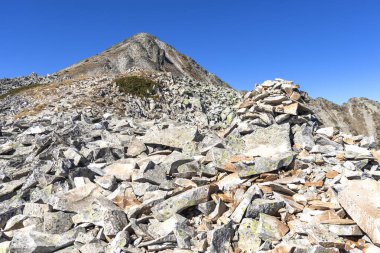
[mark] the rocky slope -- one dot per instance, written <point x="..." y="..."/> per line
<point x="9" y="84"/>
<point x="84" y="178"/>
<point x="357" y="116"/>
<point x="145" y="52"/>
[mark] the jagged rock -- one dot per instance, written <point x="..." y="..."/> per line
<point x="57" y="222"/>
<point x="218" y="157"/>
<point x="119" y="242"/>
<point x="263" y="164"/>
<point x="161" y="229"/>
<point x="34" y="241"/>
<point x="95" y="247"/>
<point x="105" y="214"/>
<point x="266" y="206"/>
<point x="220" y="237"/>
<point x="345" y="230"/>
<point x="209" y="141"/>
<point x="122" y="171"/>
<point x="249" y="240"/>
<point x="173" y="161"/>
<point x="270" y="228"/>
<point x="180" y="202"/>
<point x="9" y="189"/>
<point x="207" y="207"/>
<point x="74" y="155"/>
<point x="78" y="198"/>
<point x="303" y="136"/>
<point x="230" y="181"/>
<point x="184" y="233"/>
<point x="151" y="173"/>
<point x="107" y="182"/>
<point x="240" y="210"/>
<point x="328" y="131"/>
<point x="135" y="148"/>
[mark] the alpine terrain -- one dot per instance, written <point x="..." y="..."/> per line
<point x="140" y="149"/>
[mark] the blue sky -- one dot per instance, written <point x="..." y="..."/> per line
<point x="330" y="47"/>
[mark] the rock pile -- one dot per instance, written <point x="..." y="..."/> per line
<point x="182" y="99"/>
<point x="91" y="181"/>
<point x="7" y="84"/>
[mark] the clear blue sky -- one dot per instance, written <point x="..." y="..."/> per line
<point x="330" y="47"/>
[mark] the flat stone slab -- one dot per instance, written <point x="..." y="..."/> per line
<point x="271" y="141"/>
<point x="175" y="136"/>
<point x="360" y="199"/>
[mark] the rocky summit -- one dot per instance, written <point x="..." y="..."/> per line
<point x="186" y="164"/>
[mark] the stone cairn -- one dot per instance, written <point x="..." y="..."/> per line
<point x="273" y="182"/>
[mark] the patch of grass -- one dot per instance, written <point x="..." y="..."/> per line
<point x="136" y="86"/>
<point x="19" y="90"/>
<point x="31" y="111"/>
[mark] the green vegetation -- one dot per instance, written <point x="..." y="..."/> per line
<point x="20" y="89"/>
<point x="136" y="86"/>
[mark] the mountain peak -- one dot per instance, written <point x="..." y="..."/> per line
<point x="144" y="52"/>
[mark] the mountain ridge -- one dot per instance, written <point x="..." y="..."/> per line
<point x="141" y="51"/>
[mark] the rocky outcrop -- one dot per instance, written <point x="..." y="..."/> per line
<point x="357" y="116"/>
<point x="141" y="52"/>
<point x="8" y="84"/>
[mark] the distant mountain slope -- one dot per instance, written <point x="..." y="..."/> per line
<point x="142" y="51"/>
<point x="357" y="116"/>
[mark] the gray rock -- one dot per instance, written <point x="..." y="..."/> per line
<point x="78" y="198"/>
<point x="151" y="173"/>
<point x="105" y="214"/>
<point x="94" y="247"/>
<point x="162" y="229"/>
<point x="135" y="148"/>
<point x="174" y="160"/>
<point x="107" y="182"/>
<point x="270" y="228"/>
<point x="9" y="189"/>
<point x="356" y="199"/>
<point x="57" y="222"/>
<point x="218" y="157"/>
<point x="249" y="240"/>
<point x="39" y="242"/>
<point x="240" y="210"/>
<point x="180" y="202"/>
<point x="263" y="164"/>
<point x="122" y="170"/>
<point x="119" y="242"/>
<point x="74" y="155"/>
<point x="36" y="210"/>
<point x="207" y="207"/>
<point x="209" y="141"/>
<point x="272" y="141"/>
<point x="219" y="238"/>
<point x="303" y="136"/>
<point x="266" y="206"/>
<point x="175" y="136"/>
<point x="9" y="208"/>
